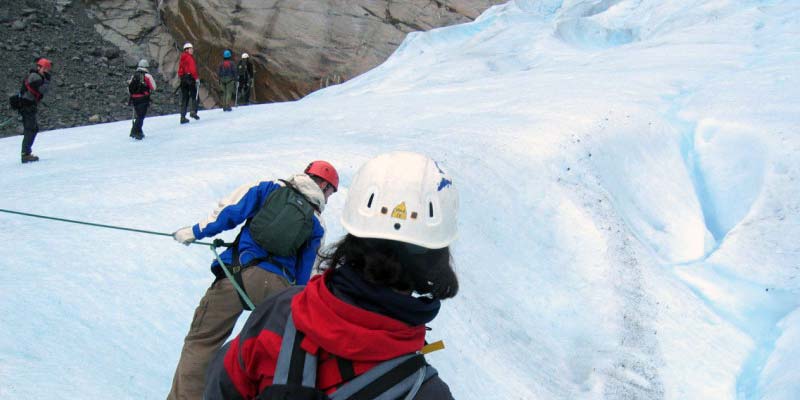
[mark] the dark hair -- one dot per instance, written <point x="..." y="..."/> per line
<point x="397" y="265"/>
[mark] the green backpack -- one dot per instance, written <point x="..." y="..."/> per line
<point x="284" y="223"/>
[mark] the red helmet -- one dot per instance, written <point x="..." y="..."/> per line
<point x="44" y="63"/>
<point x="324" y="170"/>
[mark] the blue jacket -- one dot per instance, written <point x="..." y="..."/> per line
<point x="236" y="209"/>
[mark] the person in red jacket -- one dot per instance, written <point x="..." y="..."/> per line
<point x="384" y="282"/>
<point x="187" y="72"/>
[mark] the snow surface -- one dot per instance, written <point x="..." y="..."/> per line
<point x="629" y="222"/>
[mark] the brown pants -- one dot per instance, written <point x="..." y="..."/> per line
<point x="213" y="322"/>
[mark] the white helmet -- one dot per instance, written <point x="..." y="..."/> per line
<point x="187" y="45"/>
<point x="402" y="196"/>
<point x="245" y="55"/>
<point x="143" y="64"/>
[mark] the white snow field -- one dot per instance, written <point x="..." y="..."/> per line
<point x="629" y="223"/>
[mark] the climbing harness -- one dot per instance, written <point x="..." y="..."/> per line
<point x="213" y="245"/>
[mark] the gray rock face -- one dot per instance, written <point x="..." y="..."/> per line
<point x="298" y="46"/>
<point x="89" y="75"/>
<point x="135" y="27"/>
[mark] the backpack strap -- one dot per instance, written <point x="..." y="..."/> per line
<point x="397" y="378"/>
<point x="346" y="370"/>
<point x="236" y="269"/>
<point x="295" y="366"/>
<point x="36" y="94"/>
<point x="389" y="380"/>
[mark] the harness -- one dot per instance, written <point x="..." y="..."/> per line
<point x="236" y="268"/>
<point x="36" y="94"/>
<point x="296" y="373"/>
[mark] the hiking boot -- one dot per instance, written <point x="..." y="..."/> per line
<point x="26" y="158"/>
<point x="139" y="136"/>
<point x="184" y="120"/>
<point x="194" y="115"/>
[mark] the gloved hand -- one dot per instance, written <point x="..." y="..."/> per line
<point x="184" y="235"/>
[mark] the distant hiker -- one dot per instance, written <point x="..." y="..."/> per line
<point x="227" y="80"/>
<point x="245" y="68"/>
<point x="276" y="248"/>
<point x="384" y="282"/>
<point x="33" y="88"/>
<point x="187" y="72"/>
<point x="140" y="86"/>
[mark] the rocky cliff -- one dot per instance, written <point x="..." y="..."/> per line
<point x="89" y="72"/>
<point x="298" y="46"/>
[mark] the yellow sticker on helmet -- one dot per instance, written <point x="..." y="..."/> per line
<point x="399" y="211"/>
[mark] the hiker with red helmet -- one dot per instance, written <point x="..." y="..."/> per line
<point x="34" y="86"/>
<point x="275" y="249"/>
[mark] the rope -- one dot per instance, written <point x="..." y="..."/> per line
<point x="230" y="276"/>
<point x="73" y="221"/>
<point x="213" y="245"/>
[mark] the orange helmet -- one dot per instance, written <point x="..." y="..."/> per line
<point x="324" y="170"/>
<point x="44" y="63"/>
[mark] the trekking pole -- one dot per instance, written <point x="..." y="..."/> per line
<point x="6" y="121"/>
<point x="236" y="102"/>
<point x="251" y="91"/>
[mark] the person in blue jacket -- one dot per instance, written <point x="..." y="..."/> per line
<point x="262" y="274"/>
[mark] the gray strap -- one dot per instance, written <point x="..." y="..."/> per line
<point x="310" y="371"/>
<point x="285" y="356"/>
<point x="407" y="388"/>
<point x="410" y="384"/>
<point x="417" y="383"/>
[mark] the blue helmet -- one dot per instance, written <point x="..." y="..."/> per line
<point x="226" y="54"/>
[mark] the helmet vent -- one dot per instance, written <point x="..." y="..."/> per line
<point x="430" y="209"/>
<point x="369" y="202"/>
<point x="397" y="226"/>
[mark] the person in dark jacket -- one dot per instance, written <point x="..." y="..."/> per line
<point x="383" y="283"/>
<point x="227" y="80"/>
<point x="262" y="273"/>
<point x="245" y="68"/>
<point x="190" y="80"/>
<point x="34" y="86"/>
<point x="140" y="96"/>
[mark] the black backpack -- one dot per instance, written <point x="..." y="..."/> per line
<point x="137" y="85"/>
<point x="15" y="102"/>
<point x="284" y="223"/>
<point x="296" y="373"/>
